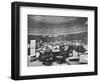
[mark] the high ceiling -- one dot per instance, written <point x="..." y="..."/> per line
<point x="52" y="19"/>
<point x="43" y="24"/>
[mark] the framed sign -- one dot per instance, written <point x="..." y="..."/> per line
<point x="53" y="40"/>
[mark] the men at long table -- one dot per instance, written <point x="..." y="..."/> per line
<point x="56" y="52"/>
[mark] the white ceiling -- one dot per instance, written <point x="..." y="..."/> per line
<point x="52" y="19"/>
